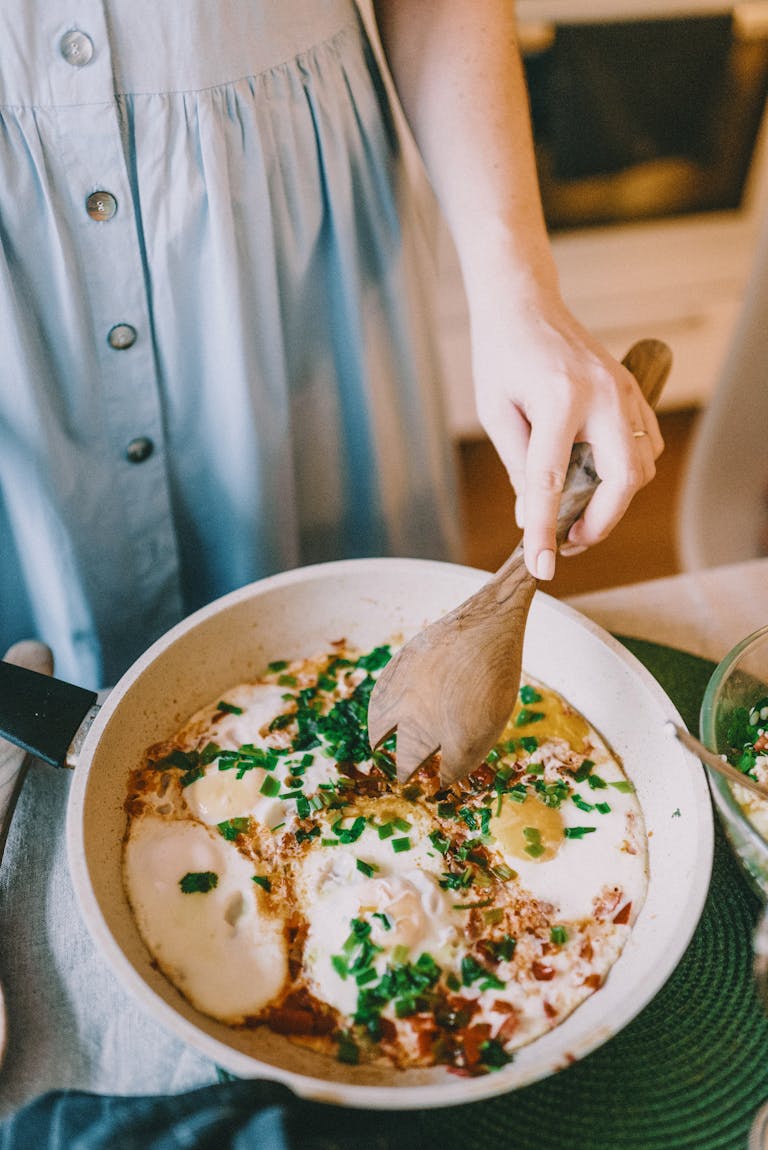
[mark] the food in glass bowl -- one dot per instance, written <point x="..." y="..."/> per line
<point x="734" y="722"/>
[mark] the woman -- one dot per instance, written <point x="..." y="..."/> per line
<point x="215" y="356"/>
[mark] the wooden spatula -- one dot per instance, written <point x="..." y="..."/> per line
<point x="453" y="686"/>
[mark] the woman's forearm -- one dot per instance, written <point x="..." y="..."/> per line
<point x="459" y="76"/>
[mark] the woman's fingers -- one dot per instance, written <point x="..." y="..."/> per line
<point x="625" y="456"/>
<point x="548" y="455"/>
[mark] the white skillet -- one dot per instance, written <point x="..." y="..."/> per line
<point x="299" y="613"/>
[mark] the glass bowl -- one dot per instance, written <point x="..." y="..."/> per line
<point x="738" y="682"/>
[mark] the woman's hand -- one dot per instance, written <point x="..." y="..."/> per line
<point x="542" y="383"/>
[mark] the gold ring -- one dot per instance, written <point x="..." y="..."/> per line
<point x="639" y="434"/>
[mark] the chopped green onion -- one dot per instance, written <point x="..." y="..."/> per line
<point x="578" y="832"/>
<point x="603" y="808"/>
<point x="529" y="694"/>
<point x="270" y="786"/>
<point x="623" y="785"/>
<point x="277" y="665"/>
<point x="199" y="882"/>
<point x="228" y="708"/>
<point x="233" y="828"/>
<point x="526" y="717"/>
<point x="365" y="868"/>
<point x="596" y="783"/>
<point x="340" y="965"/>
<point x="262" y="881"/>
<point x="581" y="804"/>
<point x="402" y="825"/>
<point x="400" y="845"/>
<point x="535" y="850"/>
<point x="440" y="842"/>
<point x="385" y="920"/>
<point x="558" y="935"/>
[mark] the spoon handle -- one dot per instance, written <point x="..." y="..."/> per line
<point x="649" y="360"/>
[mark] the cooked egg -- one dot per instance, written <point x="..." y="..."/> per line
<point x="408" y="913"/>
<point x="220" y="944"/>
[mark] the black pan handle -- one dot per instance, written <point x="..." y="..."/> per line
<point x="41" y="714"/>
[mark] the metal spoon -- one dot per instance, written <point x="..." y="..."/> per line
<point x="14" y="763"/>
<point x="715" y="762"/>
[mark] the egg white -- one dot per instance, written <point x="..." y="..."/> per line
<point x="223" y="949"/>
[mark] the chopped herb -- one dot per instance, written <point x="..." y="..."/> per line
<point x="277" y="665"/>
<point x="472" y="905"/>
<point x="402" y="825"/>
<point x="535" y="850"/>
<point x="491" y="917"/>
<point x="302" y="835"/>
<point x="446" y="810"/>
<point x="583" y="771"/>
<point x="386" y="830"/>
<point x="529" y="743"/>
<point x="623" y="785"/>
<point x="532" y="834"/>
<point x="596" y="783"/>
<point x="270" y="786"/>
<point x="526" y="717"/>
<point x="191" y="776"/>
<point x="469" y="818"/>
<point x="262" y="881"/>
<point x="400" y="845"/>
<point x="452" y="981"/>
<point x="303" y="809"/>
<point x="199" y="882"/>
<point x="349" y="834"/>
<point x="233" y="828"/>
<point x="558" y="935"/>
<point x="339" y="964"/>
<point x="228" y="708"/>
<point x="347" y="1050"/>
<point x="384" y="919"/>
<point x="578" y="832"/>
<point x="286" y="680"/>
<point x="504" y="948"/>
<point x="529" y="694"/>
<point x="502" y="871"/>
<point x="375" y="659"/>
<point x="518" y="793"/>
<point x="494" y="1055"/>
<point x="603" y="808"/>
<point x="579" y="802"/>
<point x="365" y="868"/>
<point x="440" y="842"/>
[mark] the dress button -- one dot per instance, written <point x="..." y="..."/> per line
<point x="101" y="206"/>
<point x="76" y="48"/>
<point x="121" y="336"/>
<point x="139" y="449"/>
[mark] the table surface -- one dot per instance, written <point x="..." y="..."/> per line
<point x="704" y="613"/>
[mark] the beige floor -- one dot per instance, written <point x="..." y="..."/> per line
<point x="641" y="547"/>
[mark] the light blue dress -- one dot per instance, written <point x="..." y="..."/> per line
<point x="215" y="360"/>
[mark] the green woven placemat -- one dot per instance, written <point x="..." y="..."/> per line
<point x="688" y="1073"/>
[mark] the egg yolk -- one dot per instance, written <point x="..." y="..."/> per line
<point x="552" y="721"/>
<point x="529" y="830"/>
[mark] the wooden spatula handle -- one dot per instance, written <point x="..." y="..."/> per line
<point x="650" y="361"/>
